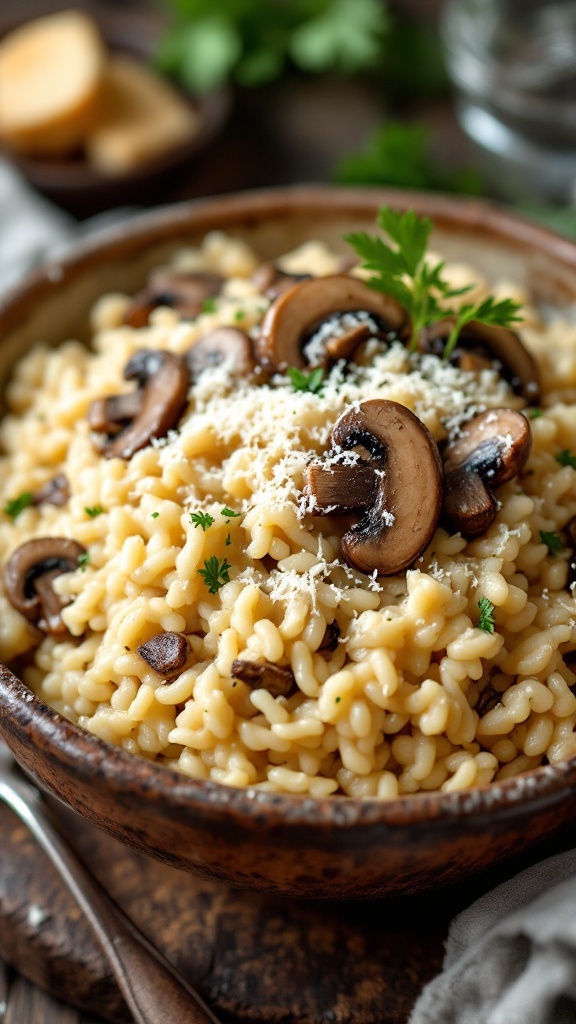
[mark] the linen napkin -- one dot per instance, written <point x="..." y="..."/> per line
<point x="511" y="956"/>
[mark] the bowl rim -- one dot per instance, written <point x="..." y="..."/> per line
<point x="22" y="713"/>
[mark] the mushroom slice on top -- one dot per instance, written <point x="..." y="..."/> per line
<point x="165" y="653"/>
<point x="263" y="675"/>
<point x="225" y="344"/>
<point x="184" y="292"/>
<point x="298" y="312"/>
<point x="404" y="486"/>
<point x="491" y="344"/>
<point x="54" y="492"/>
<point x="570" y="534"/>
<point x="30" y="573"/>
<point x="163" y="381"/>
<point x="491" y="449"/>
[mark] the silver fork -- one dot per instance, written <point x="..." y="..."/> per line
<point x="154" y="991"/>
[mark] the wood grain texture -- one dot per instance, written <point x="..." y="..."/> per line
<point x="255" y="959"/>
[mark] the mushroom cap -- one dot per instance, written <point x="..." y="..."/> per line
<point x="45" y="557"/>
<point x="402" y="520"/>
<point x="500" y="343"/>
<point x="185" y="292"/>
<point x="164" y="379"/>
<point x="299" y="309"/>
<point x="225" y="343"/>
<point x="491" y="449"/>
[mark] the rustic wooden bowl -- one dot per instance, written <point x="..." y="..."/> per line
<point x="284" y="844"/>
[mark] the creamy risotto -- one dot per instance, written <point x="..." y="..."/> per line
<point x="189" y="595"/>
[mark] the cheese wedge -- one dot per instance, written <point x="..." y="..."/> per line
<point x="51" y="72"/>
<point x="142" y="117"/>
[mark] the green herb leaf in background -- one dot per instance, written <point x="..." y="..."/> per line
<point x="312" y="382"/>
<point x="553" y="541"/>
<point x="486" y="616"/>
<point x="14" y="506"/>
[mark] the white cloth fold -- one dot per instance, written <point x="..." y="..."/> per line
<point x="511" y="956"/>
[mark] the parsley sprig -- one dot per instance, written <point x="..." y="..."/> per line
<point x="203" y="519"/>
<point x="312" y="382"/>
<point x="215" y="573"/>
<point x="402" y="270"/>
<point x="553" y="541"/>
<point x="93" y="511"/>
<point x="14" y="506"/>
<point x="486" y="616"/>
<point x="565" y="458"/>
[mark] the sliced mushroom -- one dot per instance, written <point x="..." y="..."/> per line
<point x="406" y="496"/>
<point x="487" y="700"/>
<point x="336" y="486"/>
<point x="184" y="292"/>
<point x="165" y="653"/>
<point x="224" y="344"/>
<point x="163" y="381"/>
<point x="272" y="281"/>
<point x="262" y="675"/>
<point x="491" y="449"/>
<point x="480" y="346"/>
<point x="54" y="492"/>
<point x="298" y="312"/>
<point x="30" y="573"/>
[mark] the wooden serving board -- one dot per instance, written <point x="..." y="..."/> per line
<point x="254" y="958"/>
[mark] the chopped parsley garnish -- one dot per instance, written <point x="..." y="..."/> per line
<point x="93" y="510"/>
<point x="15" y="506"/>
<point x="337" y="700"/>
<point x="83" y="561"/>
<point x="553" y="541"/>
<point x="534" y="414"/>
<point x="228" y="541"/>
<point x="486" y="616"/>
<point x="565" y="458"/>
<point x="154" y="515"/>
<point x="239" y="314"/>
<point x="209" y="305"/>
<point x="203" y="519"/>
<point x="215" y="573"/>
<point x="229" y="513"/>
<point x="312" y="382"/>
<point x="403" y="271"/>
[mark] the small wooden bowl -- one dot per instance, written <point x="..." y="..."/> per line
<point x="82" y="190"/>
<point x="284" y="844"/>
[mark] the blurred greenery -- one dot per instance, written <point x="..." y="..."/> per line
<point x="397" y="154"/>
<point x="255" y="41"/>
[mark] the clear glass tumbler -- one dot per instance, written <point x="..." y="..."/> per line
<point x="513" y="63"/>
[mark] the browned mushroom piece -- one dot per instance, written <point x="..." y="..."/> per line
<point x="331" y="637"/>
<point x="165" y="653"/>
<point x="487" y="700"/>
<point x="490" y="450"/>
<point x="163" y="380"/>
<point x="186" y="292"/>
<point x="406" y="493"/>
<point x="225" y="344"/>
<point x="263" y="675"/>
<point x="299" y="325"/>
<point x="30" y="573"/>
<point x="480" y="346"/>
<point x="271" y="281"/>
<point x="54" y="492"/>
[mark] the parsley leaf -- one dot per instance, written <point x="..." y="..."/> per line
<point x="203" y="519"/>
<point x="402" y="270"/>
<point x="215" y="573"/>
<point x="553" y="541"/>
<point x="228" y="541"/>
<point x="312" y="382"/>
<point x="229" y="513"/>
<point x="566" y="459"/>
<point x="83" y="561"/>
<point x="15" y="506"/>
<point x="209" y="305"/>
<point x="93" y="510"/>
<point x="154" y="515"/>
<point x="534" y="414"/>
<point x="486" y="616"/>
